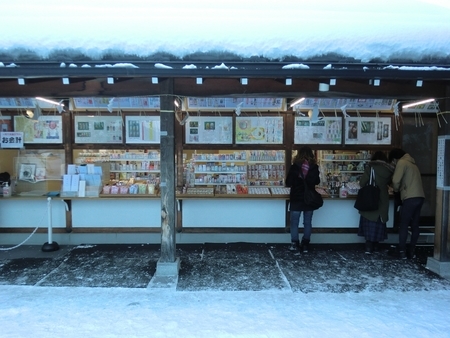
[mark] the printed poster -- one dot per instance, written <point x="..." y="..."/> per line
<point x="98" y="129"/>
<point x="46" y="129"/>
<point x="249" y="103"/>
<point x="142" y="129"/>
<point x="209" y="130"/>
<point x="368" y="130"/>
<point x="328" y="130"/>
<point x="259" y="130"/>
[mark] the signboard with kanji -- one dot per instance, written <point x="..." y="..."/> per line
<point x="11" y="139"/>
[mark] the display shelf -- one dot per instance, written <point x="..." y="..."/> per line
<point x="337" y="168"/>
<point x="124" y="165"/>
<point x="135" y="171"/>
<point x="219" y="169"/>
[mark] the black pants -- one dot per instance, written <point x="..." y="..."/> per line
<point x="409" y="216"/>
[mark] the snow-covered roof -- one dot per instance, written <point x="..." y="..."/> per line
<point x="364" y="31"/>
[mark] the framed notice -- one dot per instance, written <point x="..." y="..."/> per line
<point x="142" y="129"/>
<point x="368" y="130"/>
<point x="98" y="129"/>
<point x="210" y="130"/>
<point x="116" y="103"/>
<point x="247" y="103"/>
<point x="27" y="171"/>
<point x="328" y="130"/>
<point x="259" y="130"/>
<point x="46" y="129"/>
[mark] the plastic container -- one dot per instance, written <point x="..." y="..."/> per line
<point x="6" y="190"/>
<point x="343" y="192"/>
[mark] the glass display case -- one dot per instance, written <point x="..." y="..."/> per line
<point x="341" y="167"/>
<point x="234" y="172"/>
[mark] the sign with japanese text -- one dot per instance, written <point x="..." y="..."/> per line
<point x="209" y="130"/>
<point x="98" y="129"/>
<point x="328" y="130"/>
<point x="142" y="129"/>
<point x="259" y="130"/>
<point x="46" y="129"/>
<point x="368" y="130"/>
<point x="11" y="139"/>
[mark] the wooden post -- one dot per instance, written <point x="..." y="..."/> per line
<point x="167" y="184"/>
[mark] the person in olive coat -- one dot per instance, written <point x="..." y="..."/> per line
<point x="407" y="181"/>
<point x="372" y="224"/>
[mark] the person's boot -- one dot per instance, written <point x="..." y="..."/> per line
<point x="411" y="252"/>
<point x="304" y="245"/>
<point x="369" y="247"/>
<point x="294" y="246"/>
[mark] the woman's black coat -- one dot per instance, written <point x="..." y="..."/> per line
<point x="296" y="183"/>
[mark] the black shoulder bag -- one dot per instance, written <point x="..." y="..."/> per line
<point x="311" y="197"/>
<point x="368" y="196"/>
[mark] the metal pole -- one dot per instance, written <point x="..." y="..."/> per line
<point x="50" y="245"/>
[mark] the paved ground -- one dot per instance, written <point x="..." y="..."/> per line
<point x="225" y="267"/>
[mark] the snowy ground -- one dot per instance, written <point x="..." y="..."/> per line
<point x="118" y="312"/>
<point x="236" y="290"/>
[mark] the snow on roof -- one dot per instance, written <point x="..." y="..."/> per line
<point x="364" y="30"/>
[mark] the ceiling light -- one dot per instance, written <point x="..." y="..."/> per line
<point x="332" y="82"/>
<point x="376" y="82"/>
<point x="244" y="81"/>
<point x="297" y="102"/>
<point x="21" y="81"/>
<point x="288" y="82"/>
<point x="199" y="80"/>
<point x="65" y="80"/>
<point x="324" y="87"/>
<point x="154" y="80"/>
<point x="416" y="103"/>
<point x="419" y="83"/>
<point x="110" y="80"/>
<point x="50" y="101"/>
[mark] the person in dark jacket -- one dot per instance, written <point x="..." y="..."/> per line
<point x="304" y="170"/>
<point x="372" y="224"/>
<point x="408" y="181"/>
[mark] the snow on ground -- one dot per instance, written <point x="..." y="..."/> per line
<point x="27" y="311"/>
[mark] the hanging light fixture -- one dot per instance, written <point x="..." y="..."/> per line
<point x="296" y="102"/>
<point x="406" y="106"/>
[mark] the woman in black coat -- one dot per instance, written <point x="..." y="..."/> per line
<point x="303" y="170"/>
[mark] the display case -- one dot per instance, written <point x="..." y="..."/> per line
<point x="220" y="170"/>
<point x="234" y="172"/>
<point x="266" y="168"/>
<point x="130" y="172"/>
<point x="124" y="165"/>
<point x="341" y="167"/>
<point x="36" y="172"/>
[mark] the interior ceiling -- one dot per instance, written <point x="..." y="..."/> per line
<point x="264" y="79"/>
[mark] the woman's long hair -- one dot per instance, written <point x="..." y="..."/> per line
<point x="305" y="153"/>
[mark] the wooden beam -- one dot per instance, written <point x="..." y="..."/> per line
<point x="167" y="184"/>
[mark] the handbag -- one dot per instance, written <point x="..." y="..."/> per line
<point x="311" y="197"/>
<point x="368" y="197"/>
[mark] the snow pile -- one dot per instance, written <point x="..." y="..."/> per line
<point x="364" y="30"/>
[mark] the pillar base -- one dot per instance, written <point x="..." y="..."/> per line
<point x="49" y="247"/>
<point x="167" y="268"/>
<point x="441" y="268"/>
